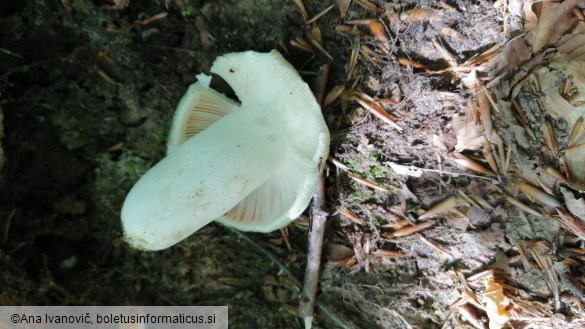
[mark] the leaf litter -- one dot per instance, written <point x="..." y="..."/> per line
<point x="456" y="173"/>
<point x="490" y="146"/>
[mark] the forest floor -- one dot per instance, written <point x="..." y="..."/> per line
<point x="462" y="208"/>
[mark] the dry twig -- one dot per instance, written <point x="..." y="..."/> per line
<point x="319" y="216"/>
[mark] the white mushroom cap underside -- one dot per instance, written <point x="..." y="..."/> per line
<point x="267" y="79"/>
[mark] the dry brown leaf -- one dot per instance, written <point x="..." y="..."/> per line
<point x="338" y="251"/>
<point x="343" y="7"/>
<point x="469" y="134"/>
<point x="512" y="56"/>
<point x="573" y="42"/>
<point x="575" y="160"/>
<point x="554" y="21"/>
<point x="496" y="304"/>
<point x="421" y="14"/>
<point x="443" y="206"/>
<point x="531" y="8"/>
<point x="333" y="95"/>
<point x="301" y="8"/>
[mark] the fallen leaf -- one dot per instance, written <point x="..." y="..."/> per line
<point x="512" y="56"/>
<point x="574" y="205"/>
<point x="554" y="21"/>
<point x="530" y="8"/>
<point x="469" y="134"/>
<point x="338" y="251"/>
<point x="496" y="304"/>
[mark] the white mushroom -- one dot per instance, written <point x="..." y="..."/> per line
<point x="252" y="166"/>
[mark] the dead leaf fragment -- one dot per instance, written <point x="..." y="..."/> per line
<point x="469" y="134"/>
<point x="554" y="20"/>
<point x="418" y="15"/>
<point x="575" y="205"/>
<point x="496" y="304"/>
<point x="343" y="7"/>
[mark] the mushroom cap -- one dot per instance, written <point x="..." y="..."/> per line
<point x="267" y="79"/>
<point x="253" y="166"/>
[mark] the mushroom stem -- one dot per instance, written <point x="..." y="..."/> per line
<point x="204" y="178"/>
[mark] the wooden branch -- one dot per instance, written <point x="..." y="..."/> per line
<point x="318" y="216"/>
<point x="308" y="295"/>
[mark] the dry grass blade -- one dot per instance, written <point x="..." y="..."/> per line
<point x="388" y="253"/>
<point x="566" y="87"/>
<point x="447" y="56"/>
<point x="470" y="295"/>
<point x="351" y="216"/>
<point x="545" y="263"/>
<point x="371" y="55"/>
<point x="489" y="156"/>
<point x="538" y="195"/>
<point x="366" y="182"/>
<point x="355" y="51"/>
<point x="301" y="44"/>
<point x="484" y="110"/>
<point x="522" y="252"/>
<point x="369" y="104"/>
<point x="549" y="137"/>
<point x="467" y="163"/>
<point x="575" y="130"/>
<point x="319" y="15"/>
<point x="106" y="77"/>
<point x="301" y="8"/>
<point x="571" y="223"/>
<point x="567" y="168"/>
<point x="418" y="15"/>
<point x="152" y="19"/>
<point x="557" y="175"/>
<point x="409" y="230"/>
<point x="435" y="247"/>
<point x="315" y="33"/>
<point x="333" y="95"/>
<point x="521" y="116"/>
<point x="337" y="163"/>
<point x="319" y="47"/>
<point x="379" y="30"/>
<point x="572" y="148"/>
<point x="372" y="8"/>
<point x="407" y="62"/>
<point x="364" y="21"/>
<point x="343" y="7"/>
<point x="444" y="206"/>
<point x="344" y="262"/>
<point x="469" y="199"/>
<point x="343" y="28"/>
<point x="487" y="55"/>
<point x="522" y="206"/>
